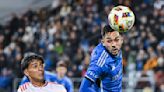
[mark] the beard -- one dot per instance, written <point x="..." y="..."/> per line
<point x="114" y="51"/>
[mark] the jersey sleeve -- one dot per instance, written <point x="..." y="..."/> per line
<point x="93" y="73"/>
<point x="95" y="69"/>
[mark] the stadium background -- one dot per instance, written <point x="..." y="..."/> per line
<point x="69" y="30"/>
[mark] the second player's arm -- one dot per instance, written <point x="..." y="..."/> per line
<point x="86" y="86"/>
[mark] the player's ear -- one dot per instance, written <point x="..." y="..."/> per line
<point x="102" y="40"/>
<point x="26" y="72"/>
<point x="57" y="69"/>
<point x="122" y="40"/>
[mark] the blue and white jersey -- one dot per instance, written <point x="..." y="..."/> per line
<point x="105" y="70"/>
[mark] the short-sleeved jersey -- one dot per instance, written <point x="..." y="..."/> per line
<point x="105" y="70"/>
<point x="48" y="87"/>
<point x="52" y="77"/>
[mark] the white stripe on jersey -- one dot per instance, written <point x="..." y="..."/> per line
<point x="89" y="78"/>
<point x="50" y="87"/>
<point x="103" y="62"/>
<point x="101" y="86"/>
<point x="102" y="54"/>
<point x="102" y="58"/>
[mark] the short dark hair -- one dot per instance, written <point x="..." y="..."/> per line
<point x="106" y="29"/>
<point x="28" y="57"/>
<point x="61" y="63"/>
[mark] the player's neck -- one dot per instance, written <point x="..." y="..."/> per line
<point x="38" y="83"/>
<point x="60" y="76"/>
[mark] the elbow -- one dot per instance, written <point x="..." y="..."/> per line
<point x="85" y="86"/>
<point x="81" y="89"/>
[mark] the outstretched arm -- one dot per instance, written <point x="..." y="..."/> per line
<point x="86" y="86"/>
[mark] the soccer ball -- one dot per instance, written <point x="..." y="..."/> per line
<point x="121" y="18"/>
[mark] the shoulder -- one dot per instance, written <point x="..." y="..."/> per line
<point x="57" y="87"/>
<point x="99" y="48"/>
<point x="48" y="73"/>
<point x="99" y="56"/>
<point x="98" y="51"/>
<point x="54" y="84"/>
<point x="67" y="79"/>
<point x="24" y="87"/>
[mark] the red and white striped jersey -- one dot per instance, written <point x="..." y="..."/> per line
<point x="48" y="87"/>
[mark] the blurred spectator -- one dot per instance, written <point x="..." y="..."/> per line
<point x="159" y="77"/>
<point x="151" y="63"/>
<point x="61" y="71"/>
<point x="158" y="4"/>
<point x="65" y="10"/>
<point x="140" y="60"/>
<point x="142" y="84"/>
<point x="6" y="78"/>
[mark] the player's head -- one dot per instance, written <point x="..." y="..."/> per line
<point x="112" y="40"/>
<point x="32" y="66"/>
<point x="61" y="68"/>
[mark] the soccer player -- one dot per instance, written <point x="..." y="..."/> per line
<point x="104" y="73"/>
<point x="58" y="77"/>
<point x="61" y="77"/>
<point x="32" y="66"/>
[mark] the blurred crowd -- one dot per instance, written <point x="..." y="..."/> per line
<point x="70" y="29"/>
